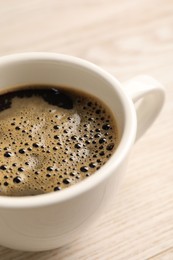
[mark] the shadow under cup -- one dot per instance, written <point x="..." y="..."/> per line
<point x="51" y="220"/>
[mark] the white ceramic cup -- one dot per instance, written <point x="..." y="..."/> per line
<point x="48" y="221"/>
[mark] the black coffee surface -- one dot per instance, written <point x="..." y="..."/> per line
<point x="51" y="138"/>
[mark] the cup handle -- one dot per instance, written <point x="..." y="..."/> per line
<point x="150" y="94"/>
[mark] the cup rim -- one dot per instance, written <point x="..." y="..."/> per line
<point x="116" y="159"/>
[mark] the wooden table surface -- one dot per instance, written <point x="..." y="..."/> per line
<point x="127" y="38"/>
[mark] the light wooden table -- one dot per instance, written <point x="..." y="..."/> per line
<point x="125" y="37"/>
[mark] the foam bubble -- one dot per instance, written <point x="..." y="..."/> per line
<point x="48" y="146"/>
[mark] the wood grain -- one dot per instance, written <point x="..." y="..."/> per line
<point x="126" y="38"/>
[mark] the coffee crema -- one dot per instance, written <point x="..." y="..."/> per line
<point x="52" y="138"/>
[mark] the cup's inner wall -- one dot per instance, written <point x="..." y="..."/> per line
<point x="55" y="69"/>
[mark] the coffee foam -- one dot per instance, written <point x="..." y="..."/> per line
<point x="47" y="148"/>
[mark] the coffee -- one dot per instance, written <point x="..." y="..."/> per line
<point x="51" y="138"/>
